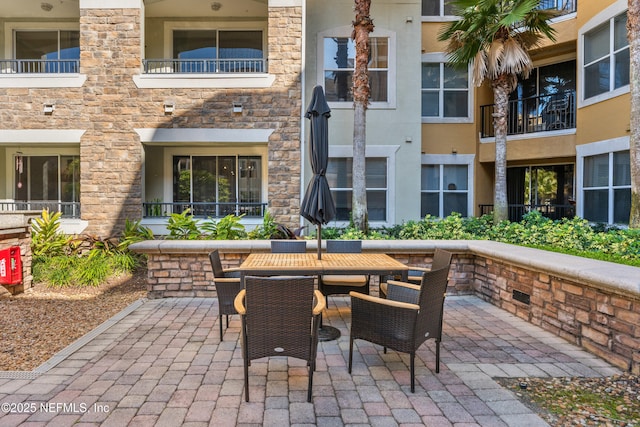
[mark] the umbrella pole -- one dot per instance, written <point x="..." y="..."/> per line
<point x="319" y="241"/>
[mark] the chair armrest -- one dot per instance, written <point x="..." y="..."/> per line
<point x="238" y="303"/>
<point x="227" y="279"/>
<point x="420" y="269"/>
<point x="383" y="301"/>
<point x="321" y="302"/>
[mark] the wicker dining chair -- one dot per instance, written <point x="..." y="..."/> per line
<point x="334" y="284"/>
<point x="288" y="246"/>
<point x="441" y="259"/>
<point x="280" y="317"/>
<point x="409" y="316"/>
<point x="227" y="287"/>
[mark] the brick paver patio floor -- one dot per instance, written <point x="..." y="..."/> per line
<point x="161" y="363"/>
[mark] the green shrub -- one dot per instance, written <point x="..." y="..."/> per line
<point x="182" y="226"/>
<point x="227" y="228"/>
<point x="46" y="238"/>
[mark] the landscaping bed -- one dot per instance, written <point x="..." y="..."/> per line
<point x="42" y="321"/>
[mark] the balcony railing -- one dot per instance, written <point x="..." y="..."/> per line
<point x="564" y="6"/>
<point x="551" y="211"/>
<point x="39" y="66"/>
<point x="180" y="66"/>
<point x="204" y="209"/>
<point x="68" y="209"/>
<point x="536" y="114"/>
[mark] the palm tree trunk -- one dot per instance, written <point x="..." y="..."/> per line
<point x="633" y="34"/>
<point x="501" y="88"/>
<point x="362" y="26"/>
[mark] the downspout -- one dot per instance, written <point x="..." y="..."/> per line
<point x="303" y="86"/>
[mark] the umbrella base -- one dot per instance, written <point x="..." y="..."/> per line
<point x="328" y="333"/>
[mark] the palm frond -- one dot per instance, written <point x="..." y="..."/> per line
<point x="495" y="58"/>
<point x="479" y="68"/>
<point x="516" y="59"/>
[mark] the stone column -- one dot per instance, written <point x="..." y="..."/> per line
<point x="110" y="151"/>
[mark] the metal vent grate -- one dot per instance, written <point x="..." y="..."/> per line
<point x="521" y="297"/>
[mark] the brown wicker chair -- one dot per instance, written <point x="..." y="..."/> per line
<point x="227" y="287"/>
<point x="441" y="259"/>
<point x="288" y="246"/>
<point x="334" y="284"/>
<point x="280" y="317"/>
<point x="409" y="316"/>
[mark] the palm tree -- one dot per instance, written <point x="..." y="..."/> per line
<point x="362" y="26"/>
<point x="633" y="34"/>
<point x="495" y="37"/>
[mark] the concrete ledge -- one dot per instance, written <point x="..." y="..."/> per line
<point x="616" y="278"/>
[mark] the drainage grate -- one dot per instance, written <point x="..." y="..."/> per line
<point x="521" y="297"/>
<point x="19" y="375"/>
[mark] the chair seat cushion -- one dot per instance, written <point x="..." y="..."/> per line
<point x="346" y="279"/>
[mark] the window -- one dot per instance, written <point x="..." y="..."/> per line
<point x="218" y="50"/>
<point x="217" y="186"/>
<point x="340" y="177"/>
<point x="606" y="57"/>
<point x="437" y="7"/>
<point x="47" y="51"/>
<point x="607" y="187"/>
<point x="51" y="179"/>
<point x="445" y="91"/>
<point x="445" y="189"/>
<point x="339" y="62"/>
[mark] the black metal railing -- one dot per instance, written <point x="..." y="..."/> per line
<point x="551" y="211"/>
<point x="173" y="66"/>
<point x="39" y="66"/>
<point x="564" y="6"/>
<point x="536" y="114"/>
<point x="68" y="209"/>
<point x="204" y="209"/>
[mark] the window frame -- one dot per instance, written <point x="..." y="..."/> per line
<point x="606" y="16"/>
<point x="377" y="151"/>
<point x="608" y="147"/>
<point x="345" y="32"/>
<point x="441" y="58"/>
<point x="450" y="160"/>
<point x="437" y="18"/>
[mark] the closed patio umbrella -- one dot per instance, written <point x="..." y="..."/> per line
<point x="317" y="205"/>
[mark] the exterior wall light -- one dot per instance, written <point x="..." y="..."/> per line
<point x="48" y="109"/>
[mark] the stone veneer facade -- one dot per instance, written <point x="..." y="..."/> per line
<point x="109" y="107"/>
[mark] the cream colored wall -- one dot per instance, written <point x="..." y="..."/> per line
<point x="385" y="126"/>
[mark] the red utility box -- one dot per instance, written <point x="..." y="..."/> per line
<point x="10" y="266"/>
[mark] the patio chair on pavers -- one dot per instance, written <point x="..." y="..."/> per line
<point x="334" y="284"/>
<point x="288" y="246"/>
<point x="409" y="316"/>
<point x="227" y="287"/>
<point x="280" y="317"/>
<point x="441" y="259"/>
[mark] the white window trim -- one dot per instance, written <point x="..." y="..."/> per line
<point x="454" y="159"/>
<point x="52" y="80"/>
<point x="594" y="149"/>
<point x="604" y="16"/>
<point x="440" y="57"/>
<point x="387" y="151"/>
<point x="438" y="18"/>
<point x="345" y="31"/>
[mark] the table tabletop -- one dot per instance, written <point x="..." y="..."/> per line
<point x="331" y="263"/>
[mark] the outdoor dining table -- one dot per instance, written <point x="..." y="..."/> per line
<point x="308" y="264"/>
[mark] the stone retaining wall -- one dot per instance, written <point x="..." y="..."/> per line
<point x="591" y="303"/>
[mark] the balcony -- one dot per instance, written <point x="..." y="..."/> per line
<point x="536" y="114"/>
<point x="184" y="66"/>
<point x="563" y="6"/>
<point x="204" y="209"/>
<point x="551" y="211"/>
<point x="68" y="209"/>
<point x="39" y="66"/>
